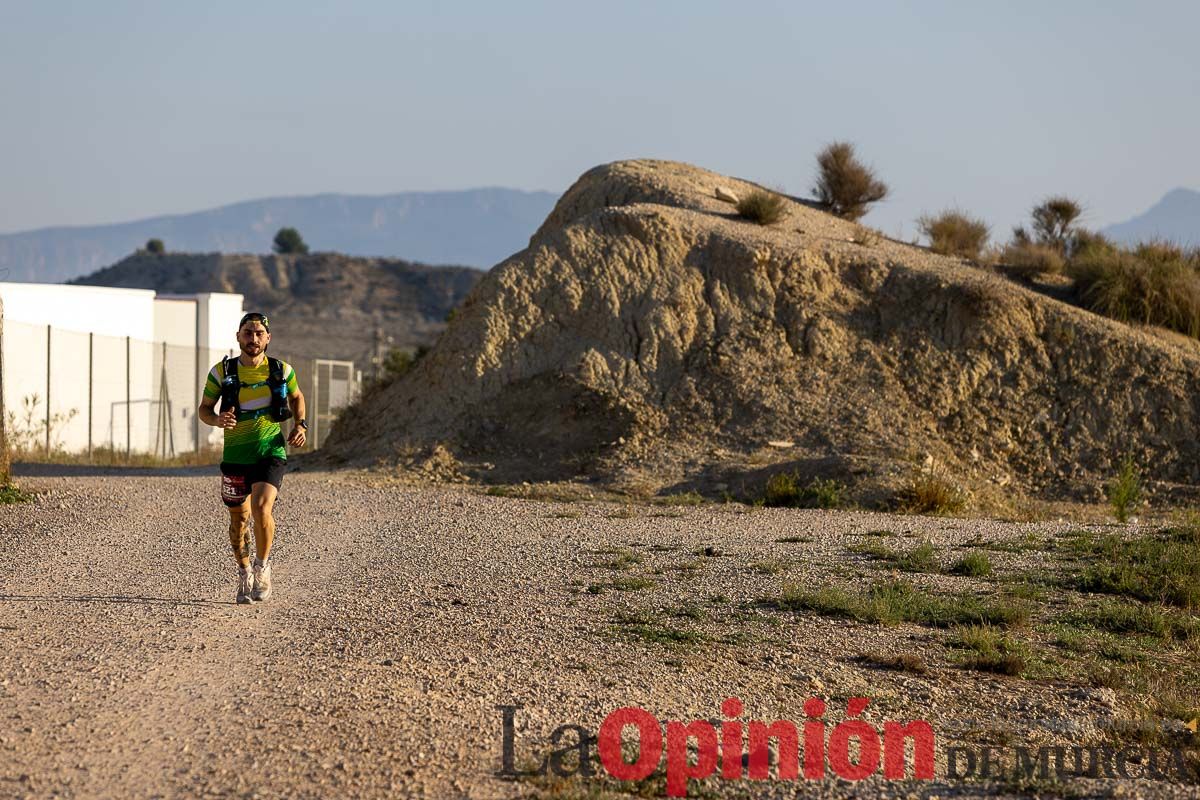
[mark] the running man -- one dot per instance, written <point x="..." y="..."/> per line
<point x="261" y="392"/>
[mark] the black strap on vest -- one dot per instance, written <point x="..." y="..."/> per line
<point x="231" y="385"/>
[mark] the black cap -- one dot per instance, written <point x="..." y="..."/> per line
<point x="255" y="316"/>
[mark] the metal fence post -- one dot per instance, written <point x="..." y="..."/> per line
<point x="315" y="414"/>
<point x="128" y="398"/>
<point x="91" y="367"/>
<point x="48" y="329"/>
<point x="196" y="393"/>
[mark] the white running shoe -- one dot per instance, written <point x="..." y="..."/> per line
<point x="262" y="580"/>
<point x="245" y="585"/>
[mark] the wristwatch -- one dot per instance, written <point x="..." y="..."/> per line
<point x="301" y="424"/>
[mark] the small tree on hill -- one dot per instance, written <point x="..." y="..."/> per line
<point x="155" y="247"/>
<point x="1053" y="220"/>
<point x="846" y="186"/>
<point x="289" y="242"/>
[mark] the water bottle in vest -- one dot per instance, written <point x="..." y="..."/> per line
<point x="229" y="387"/>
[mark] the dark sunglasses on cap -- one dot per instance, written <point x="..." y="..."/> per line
<point x="254" y="316"/>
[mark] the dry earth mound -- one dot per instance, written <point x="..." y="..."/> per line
<point x="325" y="305"/>
<point x="650" y="339"/>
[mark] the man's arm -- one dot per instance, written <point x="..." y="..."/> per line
<point x="209" y="416"/>
<point x="296" y="403"/>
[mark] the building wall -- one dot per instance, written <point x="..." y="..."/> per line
<point x="109" y="378"/>
<point x="175" y="320"/>
<point x="90" y="309"/>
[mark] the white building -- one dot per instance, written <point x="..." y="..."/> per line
<point x="99" y="356"/>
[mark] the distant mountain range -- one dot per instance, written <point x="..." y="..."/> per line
<point x="1176" y="217"/>
<point x="475" y="227"/>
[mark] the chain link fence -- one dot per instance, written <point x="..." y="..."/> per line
<point x="66" y="392"/>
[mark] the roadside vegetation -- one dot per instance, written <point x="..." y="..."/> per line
<point x="955" y="233"/>
<point x="929" y="489"/>
<point x="787" y="490"/>
<point x="1149" y="283"/>
<point x="764" y="208"/>
<point x="11" y="493"/>
<point x="1108" y="610"/>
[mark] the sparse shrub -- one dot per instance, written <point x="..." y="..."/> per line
<point x="764" y="208"/>
<point x="1122" y="616"/>
<point x="688" y="498"/>
<point x="1153" y="284"/>
<point x="865" y="236"/>
<point x="1162" y="567"/>
<point x="397" y="363"/>
<point x="845" y="186"/>
<point x="11" y="493"/>
<point x="922" y="558"/>
<point x="770" y="566"/>
<point x="826" y="493"/>
<point x="155" y="247"/>
<point x="289" y="242"/>
<point x="1026" y="259"/>
<point x="784" y="490"/>
<point x="929" y="490"/>
<point x="631" y="583"/>
<point x="1125" y="489"/>
<point x="1084" y="243"/>
<point x="990" y="650"/>
<point x="1052" y="221"/>
<point x="623" y="558"/>
<point x="974" y="564"/>
<point x="954" y="233"/>
<point x="890" y="602"/>
<point x="903" y="662"/>
<point x="26" y="432"/>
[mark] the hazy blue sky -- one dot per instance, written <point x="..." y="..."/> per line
<point x="121" y="109"/>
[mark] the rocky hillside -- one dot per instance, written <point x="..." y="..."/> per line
<point x="651" y="340"/>
<point x="325" y="304"/>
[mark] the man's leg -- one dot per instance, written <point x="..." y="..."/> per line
<point x="239" y="518"/>
<point x="262" y="503"/>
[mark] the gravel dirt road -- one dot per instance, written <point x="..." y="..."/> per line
<point x="404" y="616"/>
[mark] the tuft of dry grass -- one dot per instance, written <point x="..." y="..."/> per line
<point x="763" y="208"/>
<point x="974" y="564"/>
<point x="1155" y="283"/>
<point x="990" y="650"/>
<point x="865" y="236"/>
<point x="901" y="662"/>
<point x="955" y="233"/>
<point x="929" y="490"/>
<point x="1026" y="259"/>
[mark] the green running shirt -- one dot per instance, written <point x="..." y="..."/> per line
<point x="256" y="436"/>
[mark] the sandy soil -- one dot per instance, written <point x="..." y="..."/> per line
<point x="403" y="616"/>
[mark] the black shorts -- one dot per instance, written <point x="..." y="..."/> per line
<point x="238" y="479"/>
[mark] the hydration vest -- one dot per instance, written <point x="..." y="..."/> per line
<point x="231" y="384"/>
